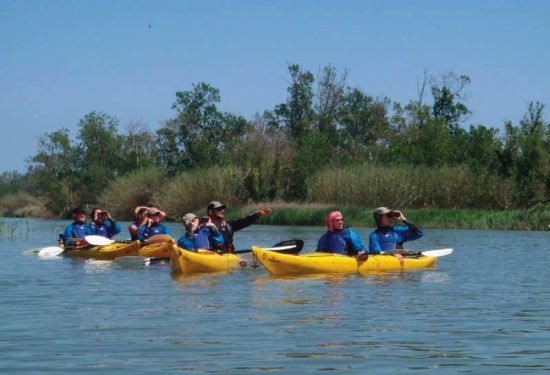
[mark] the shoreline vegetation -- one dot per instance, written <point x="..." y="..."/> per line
<point x="328" y="145"/>
<point x="535" y="219"/>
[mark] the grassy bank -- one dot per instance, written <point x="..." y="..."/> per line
<point x="314" y="214"/>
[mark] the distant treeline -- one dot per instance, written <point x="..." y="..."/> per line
<point x="328" y="143"/>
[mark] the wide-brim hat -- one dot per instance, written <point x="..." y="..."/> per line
<point x="155" y="211"/>
<point x="140" y="208"/>
<point x="188" y="218"/>
<point x="215" y="205"/>
<point x="381" y="211"/>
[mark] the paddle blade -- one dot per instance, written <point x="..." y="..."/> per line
<point x="51" y="251"/>
<point x="298" y="244"/>
<point x="286" y="247"/>
<point x="437" y="253"/>
<point x="98" y="240"/>
<point x="158" y="238"/>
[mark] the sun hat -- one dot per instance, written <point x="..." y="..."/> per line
<point x="138" y="209"/>
<point x="381" y="211"/>
<point x="188" y="218"/>
<point x="154" y="211"/>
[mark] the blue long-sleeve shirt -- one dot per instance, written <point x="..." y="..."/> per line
<point x="345" y="241"/>
<point x="384" y="239"/>
<point x="202" y="238"/>
<point x="76" y="231"/>
<point x="145" y="232"/>
<point x="108" y="228"/>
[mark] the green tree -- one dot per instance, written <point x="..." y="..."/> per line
<point x="53" y="172"/>
<point x="138" y="147"/>
<point x="195" y="137"/>
<point x="364" y="127"/>
<point x="449" y="96"/>
<point x="100" y="153"/>
<point x="12" y="182"/>
<point x="533" y="161"/>
<point x="297" y="114"/>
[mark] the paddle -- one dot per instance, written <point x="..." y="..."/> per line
<point x="437" y="253"/>
<point x="51" y="251"/>
<point x="98" y="240"/>
<point x="287" y="247"/>
<point x="429" y="253"/>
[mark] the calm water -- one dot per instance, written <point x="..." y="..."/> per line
<point x="484" y="310"/>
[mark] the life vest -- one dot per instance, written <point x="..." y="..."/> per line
<point x="154" y="230"/>
<point x="80" y="230"/>
<point x="200" y="239"/>
<point x="335" y="243"/>
<point x="99" y="229"/>
<point x="388" y="239"/>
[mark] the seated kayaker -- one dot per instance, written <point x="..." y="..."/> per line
<point x="341" y="239"/>
<point x="389" y="238"/>
<point x="216" y="212"/>
<point x="200" y="233"/>
<point x="103" y="224"/>
<point x="76" y="231"/>
<point x="153" y="226"/>
<point x="140" y="213"/>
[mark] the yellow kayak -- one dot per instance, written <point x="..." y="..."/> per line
<point x="203" y="261"/>
<point x="157" y="250"/>
<point x="107" y="252"/>
<point x="279" y="264"/>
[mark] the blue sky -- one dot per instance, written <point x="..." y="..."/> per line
<point x="62" y="59"/>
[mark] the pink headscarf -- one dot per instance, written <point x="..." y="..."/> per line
<point x="331" y="216"/>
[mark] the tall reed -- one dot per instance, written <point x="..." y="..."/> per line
<point x="399" y="186"/>
<point x="191" y="191"/>
<point x="138" y="188"/>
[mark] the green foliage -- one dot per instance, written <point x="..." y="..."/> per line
<point x="198" y="135"/>
<point x="138" y="188"/>
<point x="445" y="187"/>
<point x="297" y="114"/>
<point x="12" y="182"/>
<point x="54" y="172"/>
<point x="191" y="191"/>
<point x="99" y="153"/>
<point x="334" y="145"/>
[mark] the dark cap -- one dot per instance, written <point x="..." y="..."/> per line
<point x="215" y="205"/>
<point x="77" y="210"/>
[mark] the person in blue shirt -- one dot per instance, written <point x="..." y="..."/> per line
<point x="103" y="224"/>
<point x="389" y="238"/>
<point x="141" y="213"/>
<point x="76" y="231"/>
<point x="200" y="233"/>
<point x="341" y="239"/>
<point x="153" y="226"/>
